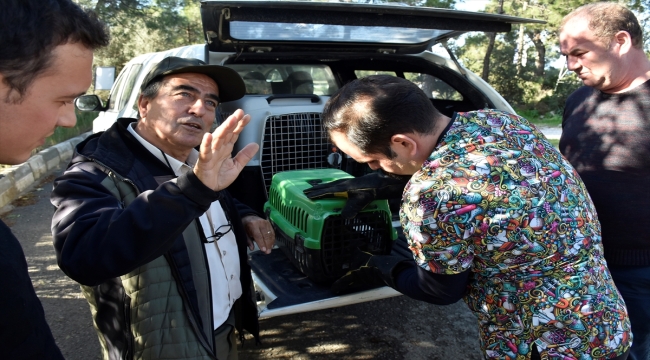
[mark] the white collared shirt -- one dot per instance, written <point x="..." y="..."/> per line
<point x="222" y="255"/>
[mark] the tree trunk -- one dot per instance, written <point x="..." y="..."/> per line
<point x="536" y="37"/>
<point x="486" y="60"/>
<point x="520" y="49"/>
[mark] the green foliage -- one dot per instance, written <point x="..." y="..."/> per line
<point x="84" y="124"/>
<point x="515" y="88"/>
<point x="143" y="26"/>
<point x="446" y="4"/>
<point x="557" y="90"/>
<point x="550" y="119"/>
<point x="523" y="89"/>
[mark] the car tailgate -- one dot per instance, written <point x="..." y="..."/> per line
<point x="283" y="290"/>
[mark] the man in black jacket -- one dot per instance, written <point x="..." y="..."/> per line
<point x="144" y="223"/>
<point x="46" y="54"/>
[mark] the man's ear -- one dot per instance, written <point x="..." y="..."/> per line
<point x="404" y="144"/>
<point x="7" y="94"/>
<point x="142" y="106"/>
<point x="624" y="41"/>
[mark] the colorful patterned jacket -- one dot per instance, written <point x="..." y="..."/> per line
<point x="495" y="197"/>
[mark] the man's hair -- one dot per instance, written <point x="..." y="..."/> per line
<point x="32" y="29"/>
<point x="606" y="19"/>
<point x="152" y="89"/>
<point x="370" y="110"/>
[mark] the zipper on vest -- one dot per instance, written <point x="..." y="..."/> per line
<point x="205" y="259"/>
<point x="192" y="316"/>
<point x="107" y="170"/>
<point x="127" y="319"/>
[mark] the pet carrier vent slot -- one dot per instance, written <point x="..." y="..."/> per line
<point x="293" y="142"/>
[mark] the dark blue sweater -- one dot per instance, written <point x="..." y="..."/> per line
<point x="606" y="137"/>
<point x="24" y="334"/>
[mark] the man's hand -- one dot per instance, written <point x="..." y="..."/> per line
<point x="259" y="230"/>
<point x="370" y="271"/>
<point x="360" y="191"/>
<point x="215" y="167"/>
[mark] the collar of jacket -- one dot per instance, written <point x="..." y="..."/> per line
<point x="118" y="150"/>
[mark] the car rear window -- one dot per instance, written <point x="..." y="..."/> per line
<point x="431" y="85"/>
<point x="249" y="30"/>
<point x="263" y="79"/>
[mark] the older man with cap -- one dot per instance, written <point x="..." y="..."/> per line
<point x="143" y="221"/>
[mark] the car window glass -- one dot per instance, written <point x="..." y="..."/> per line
<point x="364" y="73"/>
<point x="128" y="86"/>
<point x="274" y="76"/>
<point x="117" y="89"/>
<point x="263" y="79"/>
<point x="434" y="87"/>
<point x="250" y="30"/>
<point x="431" y="85"/>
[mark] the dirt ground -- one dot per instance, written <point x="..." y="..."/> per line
<point x="395" y="328"/>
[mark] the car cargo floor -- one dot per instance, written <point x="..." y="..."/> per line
<point x="291" y="286"/>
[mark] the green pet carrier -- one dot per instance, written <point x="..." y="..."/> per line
<point x="312" y="233"/>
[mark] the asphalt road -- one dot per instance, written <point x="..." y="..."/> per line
<point x="395" y="328"/>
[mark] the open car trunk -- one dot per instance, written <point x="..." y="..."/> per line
<point x="293" y="56"/>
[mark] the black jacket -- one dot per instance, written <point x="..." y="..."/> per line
<point x="97" y="239"/>
<point x="24" y="334"/>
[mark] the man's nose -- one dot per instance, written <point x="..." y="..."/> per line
<point x="67" y="117"/>
<point x="198" y="108"/>
<point x="373" y="166"/>
<point x="572" y="63"/>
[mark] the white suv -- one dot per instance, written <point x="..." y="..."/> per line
<point x="292" y="57"/>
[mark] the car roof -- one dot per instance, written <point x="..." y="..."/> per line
<point x="287" y="26"/>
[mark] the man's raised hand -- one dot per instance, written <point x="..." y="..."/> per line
<point x="215" y="167"/>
